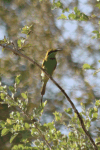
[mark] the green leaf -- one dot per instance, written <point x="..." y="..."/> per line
<point x="65" y="10"/>
<point x="98" y="5"/>
<point x="88" y="124"/>
<point x="91" y="112"/>
<point x="97" y="103"/>
<point x="72" y="16"/>
<point x="44" y="104"/>
<point x="2" y="123"/>
<point x="95" y="115"/>
<point x="50" y="125"/>
<point x="13" y="137"/>
<point x="4" y="131"/>
<point x="84" y="17"/>
<point x="27" y="126"/>
<point x="76" y="10"/>
<point x="11" y="88"/>
<point x="57" y="5"/>
<point x="18" y="114"/>
<point x="62" y="17"/>
<point x="19" y="43"/>
<point x="4" y="41"/>
<point x="86" y="66"/>
<point x="24" y="95"/>
<point x="2" y="96"/>
<point x="97" y="36"/>
<point x="17" y="79"/>
<point x="1" y="88"/>
<point x="27" y="29"/>
<point x="37" y="142"/>
<point x="9" y="121"/>
<point x="57" y="116"/>
<point x="95" y="109"/>
<point x="95" y="31"/>
<point x="18" y="147"/>
<point x="69" y="110"/>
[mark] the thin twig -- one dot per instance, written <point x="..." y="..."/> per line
<point x="43" y="137"/>
<point x="72" y="104"/>
<point x="38" y="130"/>
<point x="41" y="99"/>
<point x="35" y="126"/>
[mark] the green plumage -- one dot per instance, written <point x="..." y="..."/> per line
<point x="49" y="64"/>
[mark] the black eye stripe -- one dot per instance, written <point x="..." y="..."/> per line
<point x="52" y="51"/>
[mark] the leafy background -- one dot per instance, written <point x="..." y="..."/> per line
<point x="37" y="26"/>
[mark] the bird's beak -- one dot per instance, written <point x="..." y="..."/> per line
<point x="59" y="49"/>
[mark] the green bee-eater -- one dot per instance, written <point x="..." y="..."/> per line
<point x="49" y="64"/>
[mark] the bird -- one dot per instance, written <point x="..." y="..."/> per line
<point x="49" y="65"/>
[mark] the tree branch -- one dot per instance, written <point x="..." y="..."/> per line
<point x="72" y="104"/>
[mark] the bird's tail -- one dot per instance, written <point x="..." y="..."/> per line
<point x="43" y="89"/>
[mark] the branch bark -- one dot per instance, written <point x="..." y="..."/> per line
<point x="70" y="101"/>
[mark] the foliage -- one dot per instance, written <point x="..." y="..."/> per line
<point x="20" y="120"/>
<point x="35" y="135"/>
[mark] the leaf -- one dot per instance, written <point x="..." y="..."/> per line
<point x="65" y="10"/>
<point x="97" y="103"/>
<point x="95" y="109"/>
<point x="11" y="88"/>
<point x="84" y="17"/>
<point x="58" y="5"/>
<point x="62" y="17"/>
<point x="2" y="123"/>
<point x="18" y="114"/>
<point x="98" y="5"/>
<point x="69" y="110"/>
<point x="43" y="105"/>
<point x="9" y="121"/>
<point x="95" y="31"/>
<point x="17" y="80"/>
<point x="72" y="16"/>
<point x="57" y="116"/>
<point x="76" y="10"/>
<point x="13" y="137"/>
<point x="95" y="115"/>
<point x="27" y="126"/>
<point x="27" y="29"/>
<point x="2" y="96"/>
<point x="91" y="112"/>
<point x="4" y="131"/>
<point x="24" y="95"/>
<point x="19" y="43"/>
<point x="86" y="66"/>
<point x="88" y="124"/>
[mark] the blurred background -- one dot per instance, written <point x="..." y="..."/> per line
<point x="75" y="37"/>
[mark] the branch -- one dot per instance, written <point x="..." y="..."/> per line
<point x="39" y="131"/>
<point x="72" y="104"/>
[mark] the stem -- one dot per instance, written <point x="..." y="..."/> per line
<point x="72" y="104"/>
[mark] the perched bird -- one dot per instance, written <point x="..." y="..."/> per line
<point x="49" y="64"/>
